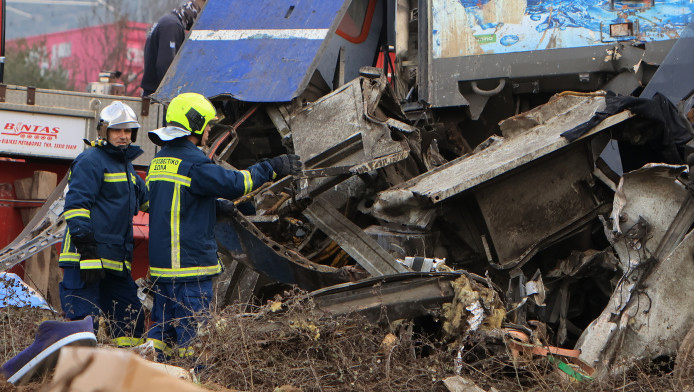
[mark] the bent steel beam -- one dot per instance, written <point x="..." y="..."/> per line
<point x="364" y="249"/>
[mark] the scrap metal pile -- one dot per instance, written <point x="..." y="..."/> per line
<point x="556" y="247"/>
<point x="576" y="250"/>
<point x="566" y="234"/>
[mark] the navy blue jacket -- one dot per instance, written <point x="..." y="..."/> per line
<point x="104" y="194"/>
<point x="183" y="187"/>
<point x="163" y="41"/>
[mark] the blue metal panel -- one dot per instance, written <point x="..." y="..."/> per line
<point x="253" y="50"/>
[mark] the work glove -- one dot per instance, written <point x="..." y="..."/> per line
<point x="286" y="164"/>
<point x="91" y="269"/>
<point x="226" y="207"/>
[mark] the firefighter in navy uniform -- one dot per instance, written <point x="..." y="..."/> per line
<point x="104" y="193"/>
<point x="184" y="186"/>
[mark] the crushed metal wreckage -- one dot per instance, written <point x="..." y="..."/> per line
<point x="531" y="239"/>
<point x="583" y="251"/>
<point x="453" y="189"/>
<point x="541" y="237"/>
<point x="530" y="235"/>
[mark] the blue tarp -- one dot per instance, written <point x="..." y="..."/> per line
<point x="14" y="292"/>
<point x="253" y="50"/>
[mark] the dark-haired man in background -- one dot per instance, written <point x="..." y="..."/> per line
<point x="163" y="42"/>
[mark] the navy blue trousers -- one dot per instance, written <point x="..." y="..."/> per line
<point x="114" y="297"/>
<point x="178" y="308"/>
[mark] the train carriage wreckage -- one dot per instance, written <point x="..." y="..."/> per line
<point x="493" y="148"/>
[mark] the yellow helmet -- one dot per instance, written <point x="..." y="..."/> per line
<point x="190" y="111"/>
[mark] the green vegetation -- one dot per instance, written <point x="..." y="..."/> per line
<point x="29" y="65"/>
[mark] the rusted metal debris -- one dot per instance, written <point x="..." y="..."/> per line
<point x="527" y="232"/>
<point x="580" y="253"/>
<point x="575" y="249"/>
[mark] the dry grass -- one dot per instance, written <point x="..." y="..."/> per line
<point x="298" y="346"/>
<point x="295" y="344"/>
<point x="17" y="329"/>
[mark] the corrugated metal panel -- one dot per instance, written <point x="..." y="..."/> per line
<point x="253" y="50"/>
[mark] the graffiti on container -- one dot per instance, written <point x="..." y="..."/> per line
<point x="473" y="27"/>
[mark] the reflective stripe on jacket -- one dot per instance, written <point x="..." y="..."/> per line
<point x="104" y="193"/>
<point x="183" y="186"/>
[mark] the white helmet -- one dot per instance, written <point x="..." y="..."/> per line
<point x="118" y="115"/>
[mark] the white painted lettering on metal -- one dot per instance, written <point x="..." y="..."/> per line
<point x="235" y="35"/>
